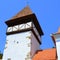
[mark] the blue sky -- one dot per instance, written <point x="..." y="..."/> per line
<point x="47" y="12"/>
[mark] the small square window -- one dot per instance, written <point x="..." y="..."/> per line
<point x="9" y="58"/>
<point x="5" y="47"/>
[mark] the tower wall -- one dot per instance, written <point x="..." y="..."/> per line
<point x="35" y="45"/>
<point x="20" y="46"/>
<point x="58" y="49"/>
<point x="16" y="47"/>
<point x="58" y="45"/>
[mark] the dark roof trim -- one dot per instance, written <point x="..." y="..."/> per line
<point x="25" y="19"/>
<point x="53" y="38"/>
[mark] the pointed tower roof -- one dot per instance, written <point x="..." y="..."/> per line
<point x="23" y="12"/>
<point x="58" y="30"/>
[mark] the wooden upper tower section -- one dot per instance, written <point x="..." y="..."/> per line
<point x="25" y="16"/>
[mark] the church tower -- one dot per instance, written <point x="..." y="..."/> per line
<point x="23" y="36"/>
<point x="56" y="39"/>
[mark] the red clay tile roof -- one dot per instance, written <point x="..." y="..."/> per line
<point x="49" y="54"/>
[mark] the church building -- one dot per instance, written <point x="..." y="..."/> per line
<point x="23" y="36"/>
<point x="23" y="39"/>
<point x="56" y="39"/>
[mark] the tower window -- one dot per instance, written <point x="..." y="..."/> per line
<point x="14" y="41"/>
<point x="17" y="42"/>
<point x="6" y="42"/>
<point x="9" y="58"/>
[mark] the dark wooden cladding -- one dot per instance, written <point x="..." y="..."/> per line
<point x="24" y="30"/>
<point x="36" y="36"/>
<point x="26" y="19"/>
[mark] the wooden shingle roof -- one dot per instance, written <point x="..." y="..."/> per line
<point x="25" y="11"/>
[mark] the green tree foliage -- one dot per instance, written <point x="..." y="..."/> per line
<point x="1" y="55"/>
